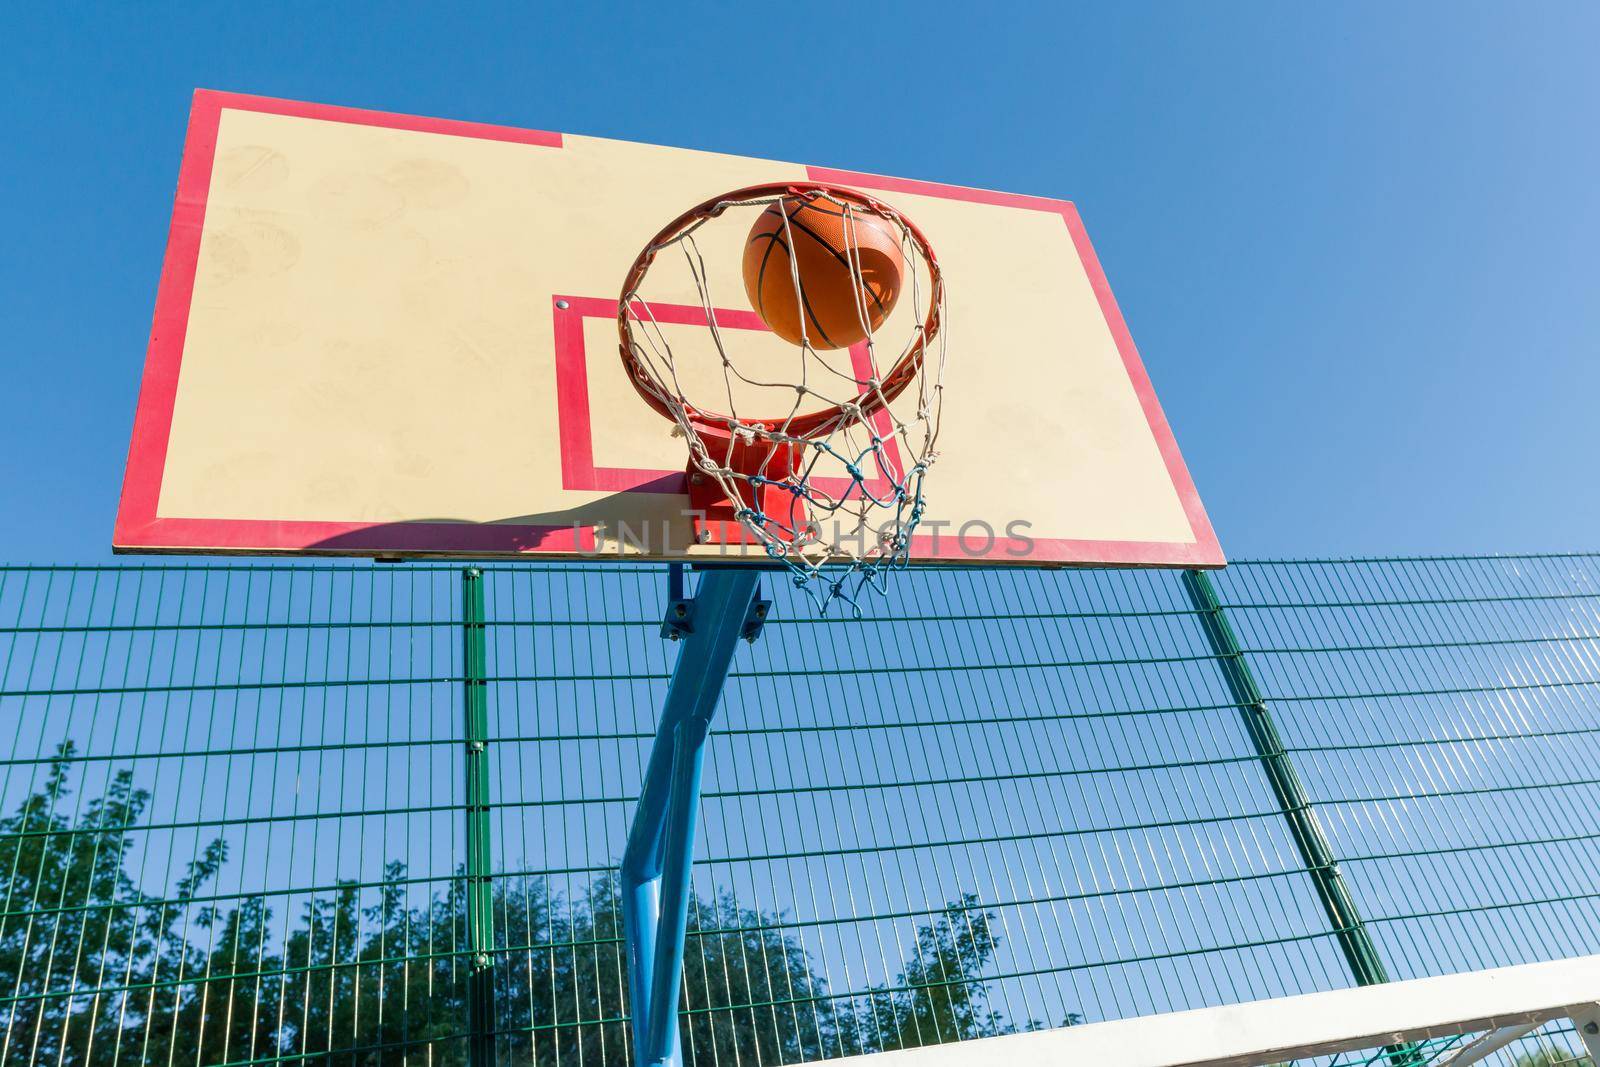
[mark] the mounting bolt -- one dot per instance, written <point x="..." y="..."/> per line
<point x="475" y="746"/>
<point x="681" y="610"/>
<point x="1591" y="1028"/>
<point x="481" y="959"/>
<point x="705" y="537"/>
<point x="562" y="304"/>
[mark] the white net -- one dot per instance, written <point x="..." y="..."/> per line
<point x="820" y="449"/>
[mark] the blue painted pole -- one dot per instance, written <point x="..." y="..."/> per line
<point x="660" y="849"/>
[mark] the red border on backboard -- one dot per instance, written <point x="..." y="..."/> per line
<point x="140" y="528"/>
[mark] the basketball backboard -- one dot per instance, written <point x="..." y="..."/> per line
<point x="380" y="335"/>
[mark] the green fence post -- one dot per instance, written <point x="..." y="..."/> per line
<point x="480" y="902"/>
<point x="1359" y="951"/>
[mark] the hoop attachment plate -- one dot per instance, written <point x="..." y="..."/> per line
<point x="766" y="465"/>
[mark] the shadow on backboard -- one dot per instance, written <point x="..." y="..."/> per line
<point x="621" y="523"/>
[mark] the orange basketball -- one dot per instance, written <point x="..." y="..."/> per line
<point x="828" y="247"/>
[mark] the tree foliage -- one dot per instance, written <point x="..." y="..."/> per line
<point x="96" y="970"/>
<point x="1550" y="1056"/>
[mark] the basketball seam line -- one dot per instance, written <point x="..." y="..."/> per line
<point x="805" y="301"/>
<point x="840" y="256"/>
<point x="761" y="275"/>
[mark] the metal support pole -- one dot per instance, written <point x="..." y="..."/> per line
<point x="480" y="901"/>
<point x="655" y="864"/>
<point x="1359" y="952"/>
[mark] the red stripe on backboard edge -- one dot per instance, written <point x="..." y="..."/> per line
<point x="268" y="105"/>
<point x="1204" y="550"/>
<point x="152" y="420"/>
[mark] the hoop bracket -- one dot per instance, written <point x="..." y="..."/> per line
<point x="768" y="469"/>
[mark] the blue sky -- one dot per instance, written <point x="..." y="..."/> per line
<point x="1355" y="243"/>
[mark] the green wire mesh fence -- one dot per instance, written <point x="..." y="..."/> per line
<point x="345" y="814"/>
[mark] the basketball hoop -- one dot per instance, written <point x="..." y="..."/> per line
<point x="832" y="487"/>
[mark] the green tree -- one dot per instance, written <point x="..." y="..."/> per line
<point x="1550" y="1056"/>
<point x="940" y="995"/>
<point x="749" y="987"/>
<point x="95" y="971"/>
<point x="59" y="941"/>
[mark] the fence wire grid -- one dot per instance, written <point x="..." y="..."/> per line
<point x="355" y="814"/>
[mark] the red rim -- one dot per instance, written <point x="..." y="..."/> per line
<point x="893" y="383"/>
